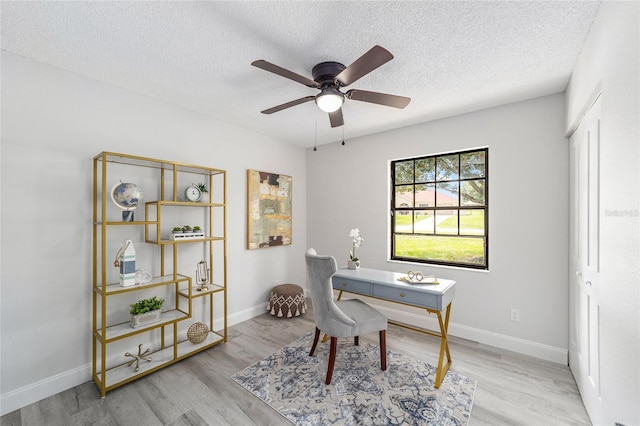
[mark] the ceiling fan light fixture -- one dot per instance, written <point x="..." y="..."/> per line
<point x="330" y="99"/>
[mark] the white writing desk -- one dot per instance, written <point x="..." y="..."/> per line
<point x="384" y="285"/>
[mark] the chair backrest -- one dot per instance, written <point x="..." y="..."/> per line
<point x="329" y="318"/>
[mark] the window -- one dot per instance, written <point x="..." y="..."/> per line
<point x="439" y="209"/>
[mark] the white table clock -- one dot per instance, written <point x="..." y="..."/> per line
<point x="192" y="193"/>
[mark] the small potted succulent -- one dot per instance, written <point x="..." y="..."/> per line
<point x="145" y="311"/>
<point x="198" y="231"/>
<point x="176" y="233"/>
<point x="204" y="193"/>
<point x="187" y="229"/>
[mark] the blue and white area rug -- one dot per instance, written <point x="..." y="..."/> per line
<point x="292" y="383"/>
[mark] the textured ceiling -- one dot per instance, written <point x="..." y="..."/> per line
<point x="450" y="57"/>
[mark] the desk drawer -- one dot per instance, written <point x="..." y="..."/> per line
<point x="409" y="297"/>
<point x="352" y="286"/>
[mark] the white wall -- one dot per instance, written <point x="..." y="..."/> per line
<point x="348" y="187"/>
<point x="609" y="64"/>
<point x="53" y="123"/>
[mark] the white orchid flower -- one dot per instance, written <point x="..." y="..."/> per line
<point x="357" y="242"/>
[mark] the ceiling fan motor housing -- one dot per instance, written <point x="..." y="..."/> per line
<point x="325" y="73"/>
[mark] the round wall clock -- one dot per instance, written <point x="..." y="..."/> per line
<point x="192" y="193"/>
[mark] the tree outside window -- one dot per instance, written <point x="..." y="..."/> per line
<point x="439" y="209"/>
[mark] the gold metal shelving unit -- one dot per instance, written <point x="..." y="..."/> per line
<point x="168" y="337"/>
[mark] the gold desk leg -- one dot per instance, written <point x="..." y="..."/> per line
<point x="444" y="346"/>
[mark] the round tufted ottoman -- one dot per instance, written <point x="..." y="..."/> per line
<point x="287" y="300"/>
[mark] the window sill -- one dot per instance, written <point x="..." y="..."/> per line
<point x="416" y="265"/>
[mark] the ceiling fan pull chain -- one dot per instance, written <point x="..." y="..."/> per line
<point x="315" y="142"/>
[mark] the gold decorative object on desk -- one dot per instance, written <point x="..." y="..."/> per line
<point x="416" y="277"/>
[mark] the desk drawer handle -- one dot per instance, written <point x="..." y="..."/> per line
<point x="401" y="294"/>
<point x="344" y="284"/>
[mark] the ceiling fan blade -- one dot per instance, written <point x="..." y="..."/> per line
<point x="335" y="118"/>
<point x="372" y="59"/>
<point x="268" y="66"/>
<point x="378" y="98"/>
<point x="288" y="105"/>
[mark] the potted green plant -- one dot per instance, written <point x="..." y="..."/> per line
<point x="145" y="311"/>
<point x="187" y="229"/>
<point x="202" y="187"/>
<point x="204" y="193"/>
<point x="176" y="233"/>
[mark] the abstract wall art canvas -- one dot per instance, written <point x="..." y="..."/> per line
<point x="269" y="209"/>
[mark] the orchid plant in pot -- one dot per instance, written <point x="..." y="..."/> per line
<point x="357" y="240"/>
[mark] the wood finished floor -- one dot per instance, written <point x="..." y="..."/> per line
<point x="512" y="389"/>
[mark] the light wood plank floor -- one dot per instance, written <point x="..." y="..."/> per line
<point x="512" y="389"/>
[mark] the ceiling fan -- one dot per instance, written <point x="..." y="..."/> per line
<point x="329" y="77"/>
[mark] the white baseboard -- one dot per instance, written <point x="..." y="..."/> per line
<point x="37" y="391"/>
<point x="525" y="347"/>
<point x="247" y="314"/>
<point x="429" y="322"/>
<point x="45" y="388"/>
<point x="34" y="392"/>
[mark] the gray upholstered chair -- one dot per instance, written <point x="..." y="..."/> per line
<point x="345" y="318"/>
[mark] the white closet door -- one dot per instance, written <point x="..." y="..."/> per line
<point x="584" y="287"/>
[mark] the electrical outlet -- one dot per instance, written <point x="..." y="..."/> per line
<point x="515" y="314"/>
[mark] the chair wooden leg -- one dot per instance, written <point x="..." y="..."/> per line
<point x="356" y="340"/>
<point x="332" y="359"/>
<point x="315" y="341"/>
<point x="383" y="350"/>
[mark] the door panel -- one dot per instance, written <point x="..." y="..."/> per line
<point x="584" y="282"/>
